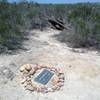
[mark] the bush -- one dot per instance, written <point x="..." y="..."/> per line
<point x="85" y="18"/>
<point x="16" y="17"/>
<point x="10" y="21"/>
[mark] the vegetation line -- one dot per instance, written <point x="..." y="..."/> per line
<point x="16" y="18"/>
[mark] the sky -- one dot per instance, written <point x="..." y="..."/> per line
<point x="58" y="1"/>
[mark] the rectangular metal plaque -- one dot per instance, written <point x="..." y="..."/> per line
<point x="44" y="77"/>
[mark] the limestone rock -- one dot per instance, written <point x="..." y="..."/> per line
<point x="53" y="69"/>
<point x="43" y="89"/>
<point x="32" y="72"/>
<point x="38" y="89"/>
<point x="61" y="76"/>
<point x="60" y="84"/>
<point x="50" y="90"/>
<point x="28" y="67"/>
<point x="23" y="81"/>
<point x="61" y="80"/>
<point x="39" y="66"/>
<point x="29" y="83"/>
<point x="29" y="87"/>
<point x="28" y="79"/>
<point x="58" y="88"/>
<point x="22" y="69"/>
<point x="55" y="80"/>
<point x="54" y="88"/>
<point x="25" y="72"/>
<point x="60" y="70"/>
<point x="25" y="84"/>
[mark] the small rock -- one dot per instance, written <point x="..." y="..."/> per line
<point x="25" y="84"/>
<point x="42" y="66"/>
<point x="25" y="72"/>
<point x="60" y="84"/>
<point x="54" y="88"/>
<point x="58" y="74"/>
<point x="32" y="72"/>
<point x="29" y="87"/>
<point x="55" y="80"/>
<point x="53" y="69"/>
<point x="22" y="69"/>
<point x="61" y="80"/>
<point x="38" y="89"/>
<point x="61" y="76"/>
<point x="39" y="66"/>
<point x="34" y="86"/>
<point x="23" y="81"/>
<point x="35" y="68"/>
<point x="28" y="67"/>
<point x="50" y="90"/>
<point x="60" y="70"/>
<point x="58" y="88"/>
<point x="43" y="89"/>
<point x="28" y="79"/>
<point x="28" y="83"/>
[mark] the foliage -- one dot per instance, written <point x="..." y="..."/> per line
<point x="18" y="17"/>
<point x="85" y="19"/>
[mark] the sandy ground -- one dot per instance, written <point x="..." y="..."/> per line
<point x="82" y="70"/>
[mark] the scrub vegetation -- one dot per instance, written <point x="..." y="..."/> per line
<point x="17" y="18"/>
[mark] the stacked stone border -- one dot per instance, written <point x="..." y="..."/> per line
<point x="28" y="70"/>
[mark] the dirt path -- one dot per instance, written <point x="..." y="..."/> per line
<point x="82" y="70"/>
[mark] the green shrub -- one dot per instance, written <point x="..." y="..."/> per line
<point x="85" y="19"/>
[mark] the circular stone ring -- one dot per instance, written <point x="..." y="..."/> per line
<point x="41" y="78"/>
